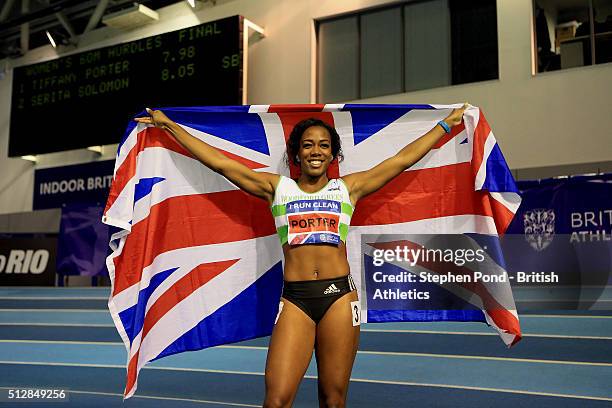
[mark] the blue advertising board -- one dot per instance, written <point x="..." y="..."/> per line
<point x="564" y="226"/>
<point x="75" y="184"/>
<point x="82" y="245"/>
<point x="27" y="259"/>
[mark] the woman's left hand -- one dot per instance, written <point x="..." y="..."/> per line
<point x="456" y="116"/>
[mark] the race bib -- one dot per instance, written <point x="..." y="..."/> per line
<point x="356" y="313"/>
<point x="313" y="222"/>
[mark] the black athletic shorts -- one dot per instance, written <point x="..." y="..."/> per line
<point x="315" y="297"/>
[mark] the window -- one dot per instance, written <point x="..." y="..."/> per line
<point x="379" y="59"/>
<point x="406" y="47"/>
<point x="572" y="33"/>
<point x="341" y="53"/>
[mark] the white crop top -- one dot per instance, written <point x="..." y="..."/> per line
<point x="311" y="218"/>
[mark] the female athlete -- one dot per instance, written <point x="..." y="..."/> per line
<point x="319" y="309"/>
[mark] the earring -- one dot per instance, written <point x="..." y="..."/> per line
<point x="297" y="159"/>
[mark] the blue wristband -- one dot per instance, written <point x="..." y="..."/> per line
<point x="445" y="126"/>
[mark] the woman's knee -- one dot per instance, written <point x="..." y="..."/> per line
<point x="334" y="399"/>
<point x="277" y="400"/>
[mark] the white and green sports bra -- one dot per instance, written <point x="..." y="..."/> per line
<point x="311" y="218"/>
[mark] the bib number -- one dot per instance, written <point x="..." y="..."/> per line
<point x="356" y="313"/>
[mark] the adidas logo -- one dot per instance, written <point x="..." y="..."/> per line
<point x="331" y="289"/>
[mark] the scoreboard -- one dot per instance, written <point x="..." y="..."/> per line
<point x="86" y="99"/>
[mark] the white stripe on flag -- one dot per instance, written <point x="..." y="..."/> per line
<point x="396" y="135"/>
<point x="188" y="258"/>
<point x="507" y="338"/>
<point x="207" y="299"/>
<point x="481" y="176"/>
<point x="212" y="140"/>
<point x="128" y="144"/>
<point x="333" y="107"/>
<point x="510" y="200"/>
<point x="276" y="142"/>
<point x="258" y="108"/>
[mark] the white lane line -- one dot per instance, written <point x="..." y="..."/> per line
<point x="563" y="287"/>
<point x="84" y="325"/>
<point x="122" y="367"/>
<point x="243" y="347"/>
<point x="363" y="380"/>
<point x="106" y="298"/>
<point x="463" y="333"/>
<point x="521" y="316"/>
<point x="378" y="353"/>
<point x="462" y="387"/>
<point x="60" y="288"/>
<point x="554" y="336"/>
<point x="110" y="394"/>
<point x="569" y="300"/>
<point x="53" y="298"/>
<point x="425" y="332"/>
<point x="563" y="316"/>
<point x="95" y="343"/>
<point x="469" y="357"/>
<point x="55" y="310"/>
<point x="115" y="343"/>
<point x="518" y="300"/>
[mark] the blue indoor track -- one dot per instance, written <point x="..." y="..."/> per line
<point x="64" y="338"/>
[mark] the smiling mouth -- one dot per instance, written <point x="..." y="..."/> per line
<point x="315" y="163"/>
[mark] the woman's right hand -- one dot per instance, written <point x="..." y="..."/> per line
<point x="157" y="118"/>
<point x="456" y="116"/>
<point x="260" y="184"/>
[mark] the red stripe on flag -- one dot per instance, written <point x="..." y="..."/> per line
<point x="155" y="137"/>
<point x="296" y="108"/>
<point x="507" y="322"/>
<point x="182" y="289"/>
<point x="455" y="130"/>
<point x="249" y="163"/>
<point x="132" y="374"/>
<point x="480" y="137"/>
<point x="289" y="119"/>
<point x="501" y="214"/>
<point x="149" y="137"/>
<point x="186" y="221"/>
<point x="422" y="194"/>
<point x="517" y="337"/>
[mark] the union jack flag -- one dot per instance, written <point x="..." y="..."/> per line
<point x="197" y="263"/>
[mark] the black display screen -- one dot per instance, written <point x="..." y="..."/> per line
<point x="86" y="99"/>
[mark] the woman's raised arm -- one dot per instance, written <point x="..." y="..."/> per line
<point x="260" y="184"/>
<point x="362" y="183"/>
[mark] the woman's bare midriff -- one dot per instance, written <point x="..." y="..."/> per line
<point x="315" y="261"/>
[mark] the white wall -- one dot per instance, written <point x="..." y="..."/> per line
<point x="556" y="118"/>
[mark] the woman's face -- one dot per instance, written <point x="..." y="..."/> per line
<point x="315" y="152"/>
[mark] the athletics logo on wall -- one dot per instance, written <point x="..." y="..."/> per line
<point x="539" y="227"/>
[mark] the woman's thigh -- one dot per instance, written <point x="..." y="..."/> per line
<point x="336" y="345"/>
<point x="289" y="353"/>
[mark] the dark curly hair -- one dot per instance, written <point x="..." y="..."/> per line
<point x="293" y="143"/>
